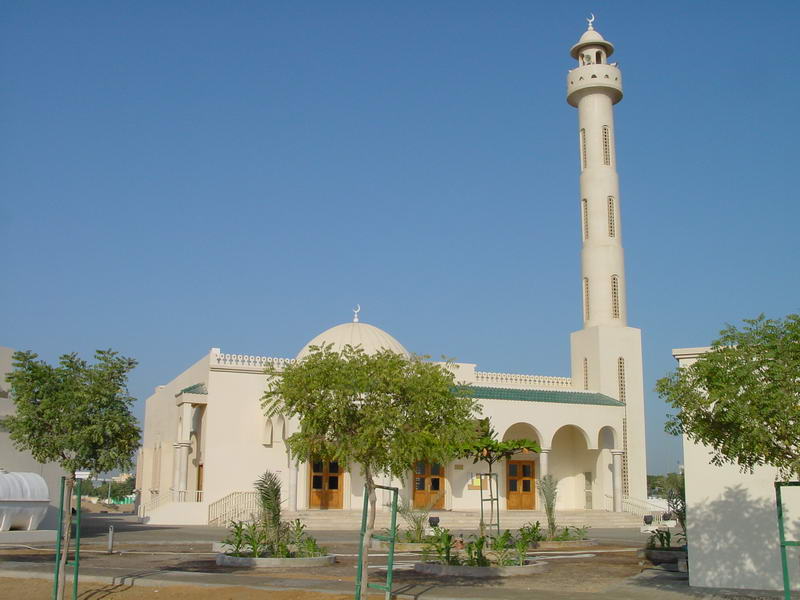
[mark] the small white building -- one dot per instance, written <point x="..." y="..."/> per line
<point x="731" y="518"/>
<point x="206" y="438"/>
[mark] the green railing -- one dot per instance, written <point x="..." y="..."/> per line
<point x="75" y="564"/>
<point x="390" y="539"/>
<point x="787" y="585"/>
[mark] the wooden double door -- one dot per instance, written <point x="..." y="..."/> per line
<point x="326" y="481"/>
<point x="428" y="485"/>
<point x="521" y="485"/>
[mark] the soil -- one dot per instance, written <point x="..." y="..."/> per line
<point x="592" y="574"/>
<point x="34" y="589"/>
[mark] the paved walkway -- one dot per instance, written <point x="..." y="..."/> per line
<point x="651" y="584"/>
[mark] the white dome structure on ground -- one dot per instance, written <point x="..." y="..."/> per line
<point x="23" y="500"/>
<point x="371" y="339"/>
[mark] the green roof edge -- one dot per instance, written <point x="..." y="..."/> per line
<point x="556" y="396"/>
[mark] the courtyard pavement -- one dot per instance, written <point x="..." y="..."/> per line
<point x="650" y="584"/>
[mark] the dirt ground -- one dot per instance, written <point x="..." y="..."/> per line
<point x="36" y="589"/>
<point x="594" y="573"/>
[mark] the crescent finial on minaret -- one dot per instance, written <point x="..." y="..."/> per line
<point x="356" y="310"/>
<point x="590" y="20"/>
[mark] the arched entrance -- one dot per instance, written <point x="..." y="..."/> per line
<point x="521" y="470"/>
<point x="429" y="485"/>
<point x="325" y="485"/>
<point x="573" y="465"/>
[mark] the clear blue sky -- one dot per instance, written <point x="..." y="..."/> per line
<point x="186" y="175"/>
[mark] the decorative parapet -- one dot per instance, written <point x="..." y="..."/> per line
<point x="245" y="362"/>
<point x="522" y="381"/>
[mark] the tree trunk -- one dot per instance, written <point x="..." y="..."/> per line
<point x="491" y="495"/>
<point x="370" y="489"/>
<point x="67" y="534"/>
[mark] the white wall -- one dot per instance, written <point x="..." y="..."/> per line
<point x="161" y="429"/>
<point x="14" y="460"/>
<point x="731" y="519"/>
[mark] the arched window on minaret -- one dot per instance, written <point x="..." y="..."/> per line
<point x="612" y="218"/>
<point x="585" y="373"/>
<point x="621" y="379"/>
<point x="606" y="146"/>
<point x="615" y="296"/>
<point x="583" y="149"/>
<point x="586" y="298"/>
<point x="585" y="213"/>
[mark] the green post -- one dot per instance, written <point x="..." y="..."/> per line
<point x="392" y="535"/>
<point x="787" y="585"/>
<point x="359" y="574"/>
<point x="391" y="538"/>
<point x="58" y="539"/>
<point x="77" y="560"/>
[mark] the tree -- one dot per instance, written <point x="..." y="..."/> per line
<point x="75" y="414"/>
<point x="742" y="398"/>
<point x="488" y="449"/>
<point x="382" y="411"/>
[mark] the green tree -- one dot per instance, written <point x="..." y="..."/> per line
<point x="381" y="411"/>
<point x="655" y="486"/>
<point x="487" y="448"/>
<point x="742" y="398"/>
<point x="75" y="414"/>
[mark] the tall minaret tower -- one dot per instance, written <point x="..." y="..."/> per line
<point x="606" y="353"/>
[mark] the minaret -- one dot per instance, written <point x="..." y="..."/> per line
<point x="606" y="354"/>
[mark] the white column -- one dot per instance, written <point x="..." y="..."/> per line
<point x="184" y="444"/>
<point x="616" y="473"/>
<point x="183" y="464"/>
<point x="292" y="483"/>
<point x="175" y="466"/>
<point x="544" y="467"/>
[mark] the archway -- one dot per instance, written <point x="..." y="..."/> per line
<point x="573" y="465"/>
<point x="521" y="470"/>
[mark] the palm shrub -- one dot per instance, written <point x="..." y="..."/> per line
<point x="268" y="487"/>
<point x="548" y="488"/>
<point x="414" y="518"/>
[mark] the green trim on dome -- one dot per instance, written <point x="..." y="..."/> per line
<point x="558" y="396"/>
<point x="197" y="388"/>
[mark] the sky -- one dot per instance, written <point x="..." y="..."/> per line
<point x="187" y="175"/>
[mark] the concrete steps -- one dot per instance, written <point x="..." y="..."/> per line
<point x="338" y="520"/>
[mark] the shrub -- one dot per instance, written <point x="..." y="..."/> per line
<point x="548" y="487"/>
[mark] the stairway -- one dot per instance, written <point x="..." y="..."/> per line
<point x="343" y="520"/>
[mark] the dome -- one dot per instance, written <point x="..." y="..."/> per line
<point x="370" y="338"/>
<point x="591" y="37"/>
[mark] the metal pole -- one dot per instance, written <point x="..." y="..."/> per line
<point x="787" y="591"/>
<point x="58" y="539"/>
<point x="392" y="534"/>
<point x="77" y="544"/>
<point x="359" y="573"/>
<point x="110" y="539"/>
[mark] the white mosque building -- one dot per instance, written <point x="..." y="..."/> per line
<point x="206" y="438"/>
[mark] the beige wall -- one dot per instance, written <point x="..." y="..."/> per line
<point x="732" y="529"/>
<point x="14" y="460"/>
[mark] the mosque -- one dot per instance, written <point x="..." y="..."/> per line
<point x="206" y="438"/>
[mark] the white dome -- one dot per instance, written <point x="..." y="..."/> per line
<point x="591" y="37"/>
<point x="370" y="338"/>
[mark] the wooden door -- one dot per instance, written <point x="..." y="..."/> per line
<point x="200" y="477"/>
<point x="428" y="485"/>
<point x="325" y="485"/>
<point x="521" y="485"/>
